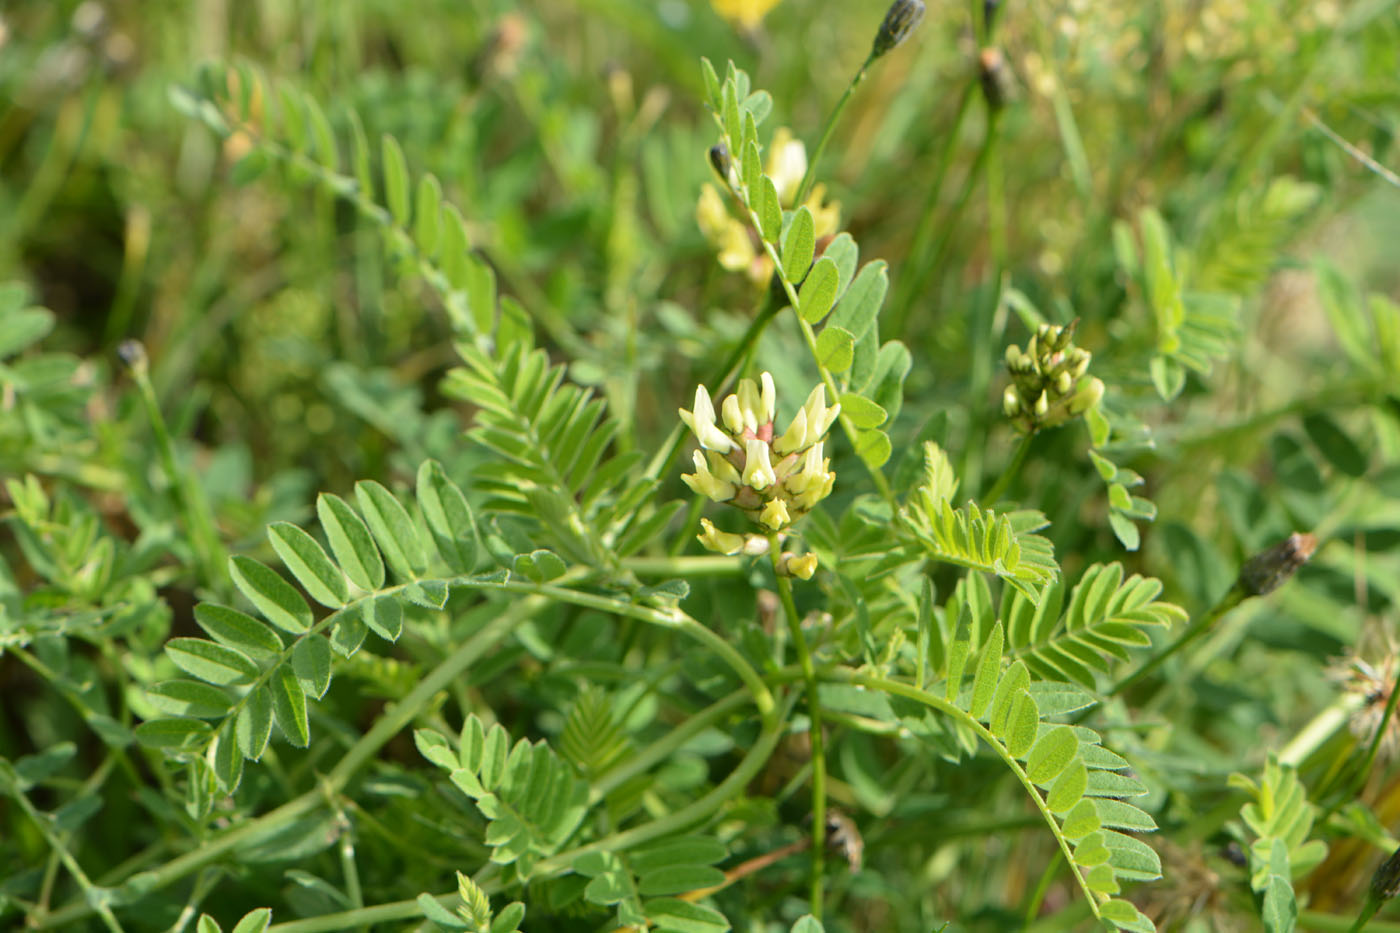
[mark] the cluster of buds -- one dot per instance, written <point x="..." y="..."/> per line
<point x="1048" y="386"/>
<point x="775" y="480"/>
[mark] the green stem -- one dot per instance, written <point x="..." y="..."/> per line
<point x="199" y="519"/>
<point x="810" y="176"/>
<point x="95" y="898"/>
<point x="1362" y="772"/>
<point x="1194" y="630"/>
<point x="814" y="713"/>
<point x="703" y="565"/>
<point x="871" y="682"/>
<point x="752" y="762"/>
<point x="1318" y="922"/>
<point x="1010" y="473"/>
<point x="396" y="717"/>
<point x="909" y="283"/>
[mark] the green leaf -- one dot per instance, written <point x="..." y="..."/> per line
<point x="238" y="630"/>
<point x="678" y="879"/>
<point x="1124" y="529"/>
<point x="835" y="348"/>
<point x="1068" y="791"/>
<point x="207" y="924"/>
<point x="860" y="305"/>
<point x="677" y="916"/>
<point x="1167" y="376"/>
<point x="350" y="542"/>
<point x="210" y="661"/>
<point x="1021" y="724"/>
<point x="873" y="448"/>
<point x="321" y="134"/>
<point x="769" y="210"/>
<point x="392" y="528"/>
<point x="799" y="244"/>
<point x="311" y="661"/>
<point x="449" y="517"/>
<point x="253" y="726"/>
<point x="988" y="672"/>
<point x="440" y="915"/>
<point x="540" y="566"/>
<point x="1335" y="445"/>
<point x="20" y="329"/>
<point x="818" y="292"/>
<point x="862" y="411"/>
<point x="427" y="215"/>
<point x="808" y="924"/>
<point x="395" y="179"/>
<point x="255" y="921"/>
<point x="308" y="562"/>
<point x="289" y="706"/>
<point x="957" y="655"/>
<point x="171" y="733"/>
<point x="712" y="86"/>
<point x="228" y="762"/>
<point x="189" y="698"/>
<point x="1125" y="916"/>
<point x="349" y="632"/>
<point x="1051" y="754"/>
<point x="508" y="920"/>
<point x="274" y="597"/>
<point x="1278" y="905"/>
<point x="1081" y="820"/>
<point x="384" y="616"/>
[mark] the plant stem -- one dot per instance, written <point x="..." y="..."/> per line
<point x="1194" y="630"/>
<point x="1010" y="473"/>
<point x="395" y="718"/>
<point x="810" y="176"/>
<point x="909" y="283"/>
<point x="814" y="713"/>
<point x="1362" y="772"/>
<point x="94" y="898"/>
<point x="199" y="519"/>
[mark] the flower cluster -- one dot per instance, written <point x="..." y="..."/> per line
<point x="734" y="241"/>
<point x="1048" y="386"/>
<point x="775" y="480"/>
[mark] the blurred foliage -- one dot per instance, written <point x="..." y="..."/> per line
<point x="1201" y="185"/>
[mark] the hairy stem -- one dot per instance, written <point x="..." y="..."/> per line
<point x="1013" y="469"/>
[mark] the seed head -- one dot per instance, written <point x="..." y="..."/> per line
<point x="1271" y="568"/>
<point x="901" y="19"/>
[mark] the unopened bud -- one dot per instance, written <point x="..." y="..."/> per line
<point x="1269" y="569"/>
<point x="1385" y="883"/>
<point x="901" y="19"/>
<point x="133" y="354"/>
<point x="1010" y="402"/>
<point x="1089" y="395"/>
<point x="801" y="567"/>
<point x="1042" y="405"/>
<point x="1063" y="383"/>
<point x="720" y="161"/>
<point x="996" y="78"/>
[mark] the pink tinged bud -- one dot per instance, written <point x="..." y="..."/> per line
<point x="721" y="542"/>
<point x="758" y="471"/>
<point x="775" y="515"/>
<point x="795" y="436"/>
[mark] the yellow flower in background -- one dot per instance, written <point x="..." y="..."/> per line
<point x="746" y="14"/>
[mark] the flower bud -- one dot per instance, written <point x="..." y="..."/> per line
<point x="794" y="437"/>
<point x="1271" y="568"/>
<point x="721" y="542"/>
<point x="901" y="19"/>
<point x="801" y="567"/>
<point x="1385" y="883"/>
<point x="1042" y="405"/>
<point x="733" y="415"/>
<point x="1010" y="402"/>
<point x="702" y="422"/>
<point x="775" y="515"/>
<point x="704" y="482"/>
<point x="758" y="471"/>
<point x="1087" y="397"/>
<point x="721" y="162"/>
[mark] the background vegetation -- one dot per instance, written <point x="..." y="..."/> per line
<point x="1202" y="185"/>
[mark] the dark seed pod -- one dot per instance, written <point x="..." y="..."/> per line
<point x="1269" y="569"/>
<point x="901" y="19"/>
<point x="1385" y="883"/>
<point x="720" y="160"/>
